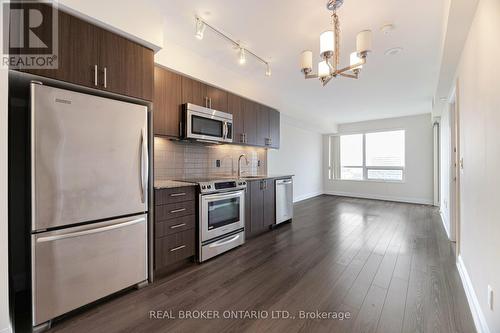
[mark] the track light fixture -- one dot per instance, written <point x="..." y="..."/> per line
<point x="200" y="28"/>
<point x="243" y="57"/>
<point x="242" y="51"/>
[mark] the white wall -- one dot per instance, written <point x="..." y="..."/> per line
<point x="300" y="154"/>
<point x="479" y="116"/>
<point x="445" y="164"/>
<point x="418" y="184"/>
<point x="4" y="286"/>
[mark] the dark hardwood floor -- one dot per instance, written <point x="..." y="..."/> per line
<point x="389" y="265"/>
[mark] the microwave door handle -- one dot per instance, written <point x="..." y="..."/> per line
<point x="224" y="130"/>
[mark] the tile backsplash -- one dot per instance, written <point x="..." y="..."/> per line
<point x="184" y="160"/>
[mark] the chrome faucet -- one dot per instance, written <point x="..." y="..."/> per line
<point x="239" y="164"/>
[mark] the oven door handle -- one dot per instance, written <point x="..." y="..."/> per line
<point x="220" y="196"/>
<point x="225" y="241"/>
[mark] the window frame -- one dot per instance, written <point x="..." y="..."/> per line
<point x="364" y="167"/>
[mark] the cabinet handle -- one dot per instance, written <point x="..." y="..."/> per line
<point x="95" y="75"/>
<point x="177" y="194"/>
<point x="206" y="101"/>
<point x="105" y="77"/>
<point x="177" y="248"/>
<point x="178" y="210"/>
<point x="177" y="226"/>
<point x="210" y="102"/>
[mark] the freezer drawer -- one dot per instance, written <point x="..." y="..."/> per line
<point x="75" y="266"/>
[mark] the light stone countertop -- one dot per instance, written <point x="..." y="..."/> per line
<point x="159" y="184"/>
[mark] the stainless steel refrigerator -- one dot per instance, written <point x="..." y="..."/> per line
<point x="89" y="165"/>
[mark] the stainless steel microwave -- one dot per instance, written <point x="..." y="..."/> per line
<point x="206" y="124"/>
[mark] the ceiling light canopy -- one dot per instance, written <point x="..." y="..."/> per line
<point x="329" y="45"/>
<point x="242" y="51"/>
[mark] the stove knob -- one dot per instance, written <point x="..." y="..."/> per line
<point x="203" y="187"/>
<point x="209" y="186"/>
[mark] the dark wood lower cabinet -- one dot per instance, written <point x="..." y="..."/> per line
<point x="269" y="203"/>
<point x="174" y="227"/>
<point x="260" y="213"/>
<point x="173" y="248"/>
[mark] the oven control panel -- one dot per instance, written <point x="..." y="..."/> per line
<point x="222" y="185"/>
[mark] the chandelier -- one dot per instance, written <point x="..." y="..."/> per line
<point x="329" y="41"/>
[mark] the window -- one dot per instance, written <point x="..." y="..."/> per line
<point x="372" y="156"/>
<point x="351" y="157"/>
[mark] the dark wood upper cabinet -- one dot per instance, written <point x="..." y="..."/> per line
<point x="235" y="107"/>
<point x="77" y="56"/>
<point x="126" y="67"/>
<point x="85" y="51"/>
<point x="250" y="110"/>
<point x="217" y="99"/>
<point x="194" y="92"/>
<point x="253" y="123"/>
<point x="167" y="101"/>
<point x="274" y="128"/>
<point x="262" y="125"/>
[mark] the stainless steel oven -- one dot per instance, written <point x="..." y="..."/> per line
<point x="206" y="124"/>
<point x="222" y="217"/>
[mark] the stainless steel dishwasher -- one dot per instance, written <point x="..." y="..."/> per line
<point x="284" y="200"/>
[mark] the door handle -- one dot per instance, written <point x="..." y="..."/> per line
<point x="89" y="231"/>
<point x="144" y="168"/>
<point x="95" y="75"/>
<point x="224" y="130"/>
<point x="177" y="210"/>
<point x="177" y="248"/>
<point x="224" y="242"/>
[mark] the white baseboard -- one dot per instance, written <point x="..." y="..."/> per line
<point x="445" y="225"/>
<point x="477" y="313"/>
<point x="307" y="196"/>
<point x="381" y="197"/>
<point x="6" y="330"/>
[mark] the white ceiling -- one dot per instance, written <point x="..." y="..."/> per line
<point x="389" y="86"/>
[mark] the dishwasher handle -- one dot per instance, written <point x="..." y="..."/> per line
<point x="284" y="181"/>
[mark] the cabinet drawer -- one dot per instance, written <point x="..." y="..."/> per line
<point x="173" y="211"/>
<point x="174" y="195"/>
<point x="172" y="226"/>
<point x="173" y="248"/>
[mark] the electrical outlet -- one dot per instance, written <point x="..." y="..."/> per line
<point x="258" y="163"/>
<point x="217" y="163"/>
<point x="490" y="297"/>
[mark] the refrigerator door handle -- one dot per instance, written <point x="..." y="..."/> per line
<point x="89" y="231"/>
<point x="144" y="166"/>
